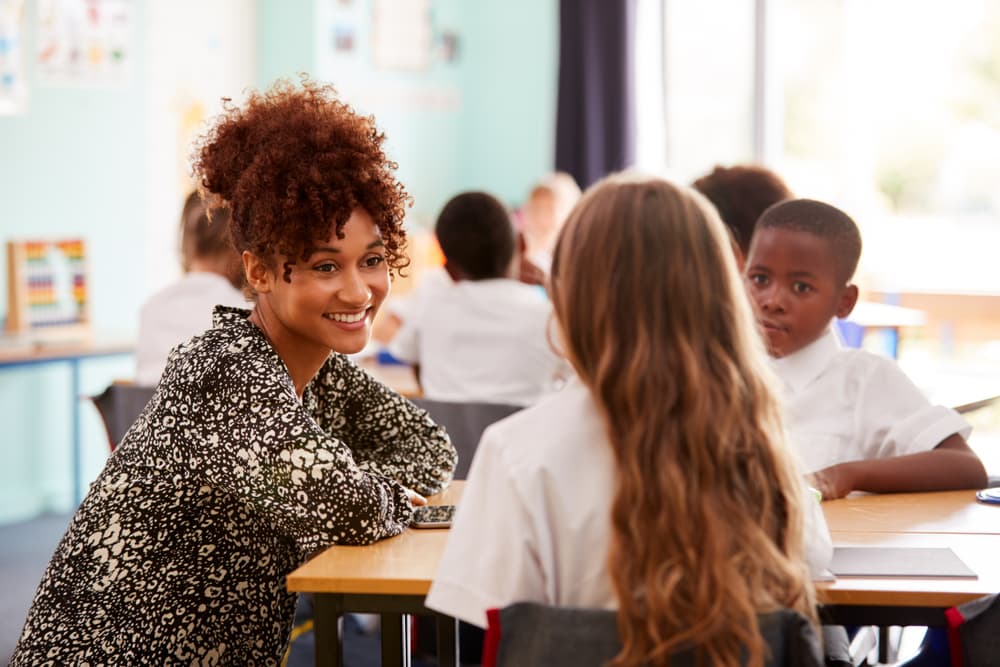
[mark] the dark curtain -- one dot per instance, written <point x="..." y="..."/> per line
<point x="595" y="119"/>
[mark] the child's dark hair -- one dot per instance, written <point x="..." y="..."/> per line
<point x="476" y="235"/>
<point x="291" y="161"/>
<point x="822" y="220"/>
<point x="740" y="194"/>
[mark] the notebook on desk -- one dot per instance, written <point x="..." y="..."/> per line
<point x="910" y="562"/>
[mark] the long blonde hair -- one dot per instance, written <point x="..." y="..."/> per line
<point x="706" y="517"/>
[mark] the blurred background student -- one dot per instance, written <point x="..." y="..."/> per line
<point x="537" y="222"/>
<point x="213" y="275"/>
<point x="543" y="215"/>
<point x="740" y="194"/>
<point x="483" y="337"/>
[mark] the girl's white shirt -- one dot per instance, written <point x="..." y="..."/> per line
<point x="534" y="524"/>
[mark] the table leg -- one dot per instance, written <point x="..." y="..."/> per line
<point x="395" y="640"/>
<point x="327" y="610"/>
<point x="74" y="365"/>
<point x="447" y="641"/>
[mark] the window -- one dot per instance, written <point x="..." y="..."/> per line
<point x="888" y="109"/>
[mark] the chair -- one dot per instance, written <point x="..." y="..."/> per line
<point x="973" y="632"/>
<point x="465" y="423"/>
<point x="119" y="405"/>
<point x="527" y="633"/>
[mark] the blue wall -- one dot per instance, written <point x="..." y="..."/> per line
<point x="501" y="135"/>
<point x="70" y="166"/>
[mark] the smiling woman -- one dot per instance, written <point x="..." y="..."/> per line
<point x="326" y="301"/>
<point x="263" y="442"/>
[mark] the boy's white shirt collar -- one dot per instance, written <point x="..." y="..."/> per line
<point x="800" y="368"/>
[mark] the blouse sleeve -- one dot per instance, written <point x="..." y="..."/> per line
<point x="243" y="429"/>
<point x="388" y="434"/>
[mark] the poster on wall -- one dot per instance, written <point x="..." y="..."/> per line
<point x="402" y="35"/>
<point x="13" y="87"/>
<point x="84" y="42"/>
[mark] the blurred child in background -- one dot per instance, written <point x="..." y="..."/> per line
<point x="482" y="338"/>
<point x="543" y="215"/>
<point x="213" y="275"/>
<point x="740" y="194"/>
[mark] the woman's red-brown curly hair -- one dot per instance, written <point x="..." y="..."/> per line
<point x="292" y="161"/>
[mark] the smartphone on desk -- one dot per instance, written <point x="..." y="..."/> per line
<point x="990" y="495"/>
<point x="433" y="516"/>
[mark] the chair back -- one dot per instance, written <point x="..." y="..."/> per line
<point x="119" y="405"/>
<point x="972" y="632"/>
<point x="465" y="423"/>
<point x="527" y="633"/>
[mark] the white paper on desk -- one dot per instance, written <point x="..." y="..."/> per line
<point x="911" y="562"/>
<point x="824" y="575"/>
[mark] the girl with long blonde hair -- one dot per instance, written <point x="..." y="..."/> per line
<point x="674" y="419"/>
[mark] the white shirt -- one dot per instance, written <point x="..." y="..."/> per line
<point x="175" y="314"/>
<point x="534" y="522"/>
<point x="849" y="405"/>
<point x="481" y="341"/>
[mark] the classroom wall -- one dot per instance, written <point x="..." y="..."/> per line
<point x="68" y="168"/>
<point x="108" y="163"/>
<point x="482" y="121"/>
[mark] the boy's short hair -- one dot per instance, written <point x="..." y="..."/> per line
<point x="824" y="221"/>
<point x="476" y="235"/>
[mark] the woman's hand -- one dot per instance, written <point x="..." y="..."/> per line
<point x="415" y="498"/>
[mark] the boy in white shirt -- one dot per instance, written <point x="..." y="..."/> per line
<point x="483" y="339"/>
<point x="858" y="422"/>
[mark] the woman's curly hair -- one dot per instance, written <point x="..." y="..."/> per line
<point x="291" y="161"/>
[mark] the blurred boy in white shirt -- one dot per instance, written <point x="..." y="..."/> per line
<point x="483" y="339"/>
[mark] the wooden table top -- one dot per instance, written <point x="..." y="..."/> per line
<point x="406" y="564"/>
<point x="23" y="350"/>
<point x="978" y="551"/>
<point x="941" y="512"/>
<point x="398" y="377"/>
<point x="401" y="565"/>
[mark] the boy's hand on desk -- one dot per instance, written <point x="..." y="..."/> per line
<point x="833" y="482"/>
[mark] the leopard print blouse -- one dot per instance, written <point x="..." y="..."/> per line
<point x="224" y="485"/>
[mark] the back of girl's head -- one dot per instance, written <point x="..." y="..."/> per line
<point x="476" y="235"/>
<point x="292" y="160"/>
<point x="202" y="235"/>
<point x="205" y="241"/>
<point x="706" y="520"/>
<point x="740" y="194"/>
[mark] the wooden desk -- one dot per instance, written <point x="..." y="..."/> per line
<point x="910" y="601"/>
<point x="941" y="512"/>
<point x="953" y="519"/>
<point x="391" y="578"/>
<point x="18" y="352"/>
<point x="398" y="377"/>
